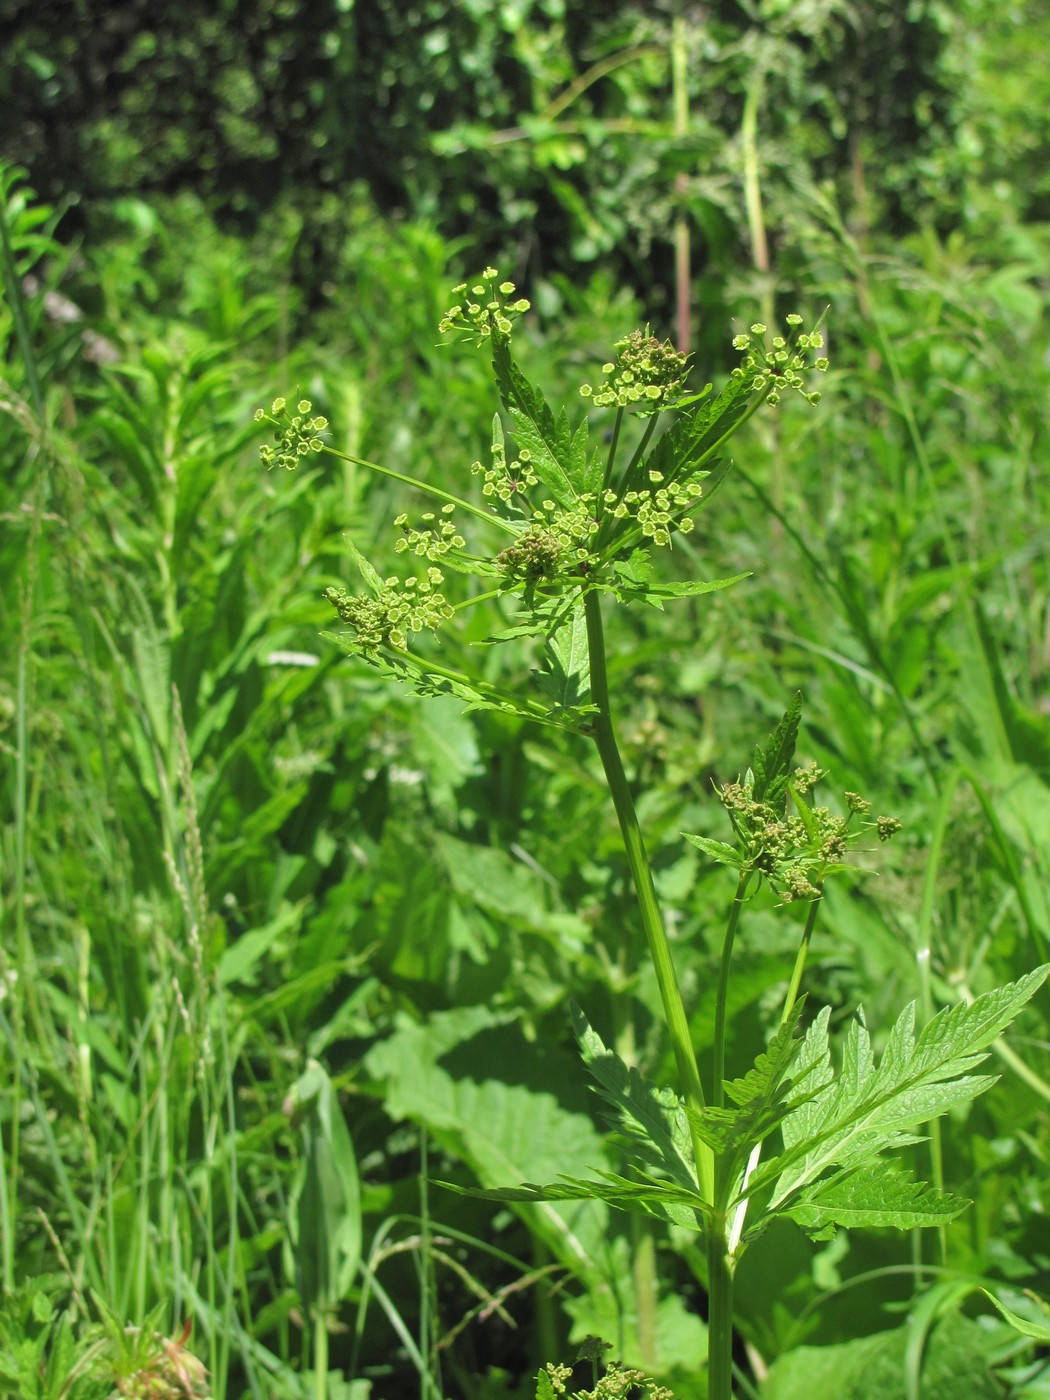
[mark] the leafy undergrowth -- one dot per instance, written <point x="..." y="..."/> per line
<point x="234" y="857"/>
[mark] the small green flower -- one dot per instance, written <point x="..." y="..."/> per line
<point x="887" y="827"/>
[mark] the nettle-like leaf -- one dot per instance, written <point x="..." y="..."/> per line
<point x="719" y="851"/>
<point x="558" y="455"/>
<point x="652" y="1121"/>
<point x="878" y="1193"/>
<point x="629" y="591"/>
<point x="662" y="1199"/>
<point x="848" y="1119"/>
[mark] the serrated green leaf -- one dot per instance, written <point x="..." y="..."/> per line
<point x="549" y="440"/>
<point x="954" y="1367"/>
<point x="694" y="589"/>
<point x="878" y="1195"/>
<point x="467" y="1076"/>
<point x="412" y="671"/>
<point x="654" y="593"/>
<point x="867" y="1107"/>
<point x="544" y="1388"/>
<point x="761" y="1098"/>
<point x="773" y="760"/>
<point x="585" y="473"/>
<point x="652" y="1120"/>
<point x="662" y="1199"/>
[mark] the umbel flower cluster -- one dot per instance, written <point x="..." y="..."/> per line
<point x="296" y="434"/>
<point x="796" y="852"/>
<point x="781" y="366"/>
<point x="485" y="313"/>
<point x="577" y="519"/>
<point x="646" y="376"/>
<point x="398" y="608"/>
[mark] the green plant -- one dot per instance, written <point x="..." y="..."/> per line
<point x="579" y="524"/>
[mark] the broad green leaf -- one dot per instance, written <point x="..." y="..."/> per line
<point x="511" y="1110"/>
<point x="955" y="1366"/>
<point x="866" y="1108"/>
<point x="876" y="1194"/>
<point x="509" y="889"/>
<point x="1039" y="1331"/>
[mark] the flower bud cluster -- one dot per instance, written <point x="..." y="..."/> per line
<point x="618" y="1383"/>
<point x="485" y="311"/>
<point x="557" y="540"/>
<point x="646" y="376"/>
<point x="436" y="536"/>
<point x="397" y="609"/>
<point x="782" y="365"/>
<point x="296" y="434"/>
<point x="796" y="855"/>
<point x="533" y="556"/>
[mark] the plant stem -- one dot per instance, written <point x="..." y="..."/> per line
<point x="800" y="960"/>
<point x="720" y="1313"/>
<point x="490" y="516"/>
<point x="645" y="891"/>
<point x="718" y="1092"/>
<point x="320" y="1356"/>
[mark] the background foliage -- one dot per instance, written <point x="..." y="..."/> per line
<point x="240" y="874"/>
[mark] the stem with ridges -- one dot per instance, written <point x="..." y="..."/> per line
<point x="645" y="891"/>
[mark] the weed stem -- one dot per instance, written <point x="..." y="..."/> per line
<point x="645" y="891"/>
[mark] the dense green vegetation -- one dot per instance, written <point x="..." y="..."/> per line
<point x="286" y="945"/>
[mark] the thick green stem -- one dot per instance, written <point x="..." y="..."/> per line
<point x="718" y="1093"/>
<point x="720" y="1314"/>
<point x="645" y="891"/>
